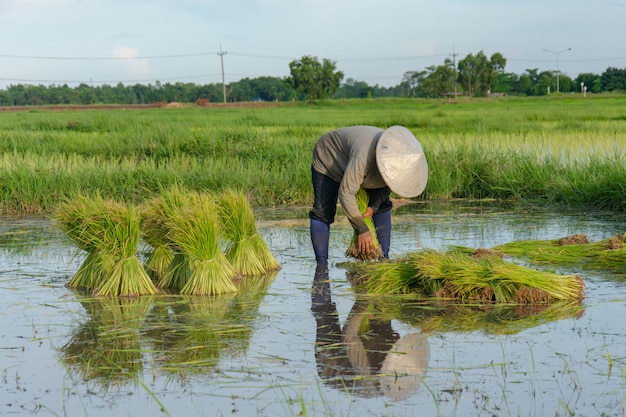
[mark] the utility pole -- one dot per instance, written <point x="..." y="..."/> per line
<point x="454" y="55"/>
<point x="221" y="54"/>
<point x="557" y="53"/>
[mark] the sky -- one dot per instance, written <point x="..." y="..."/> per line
<point x="144" y="41"/>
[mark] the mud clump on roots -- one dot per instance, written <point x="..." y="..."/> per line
<point x="486" y="253"/>
<point x="617" y="242"/>
<point x="576" y="239"/>
<point x="374" y="255"/>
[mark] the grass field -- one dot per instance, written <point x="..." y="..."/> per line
<point x="552" y="150"/>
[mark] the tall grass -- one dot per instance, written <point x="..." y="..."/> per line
<point x="558" y="151"/>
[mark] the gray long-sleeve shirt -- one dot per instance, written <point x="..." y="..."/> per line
<point x="348" y="156"/>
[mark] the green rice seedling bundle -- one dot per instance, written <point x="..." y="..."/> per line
<point x="74" y="216"/>
<point x="121" y="233"/>
<point x="455" y="275"/>
<point x="154" y="232"/>
<point x="384" y="277"/>
<point x="245" y="248"/>
<point x="362" y="200"/>
<point x="109" y="232"/>
<point x="613" y="258"/>
<point x="575" y="249"/>
<point x="158" y="215"/>
<point x="605" y="254"/>
<point x="195" y="230"/>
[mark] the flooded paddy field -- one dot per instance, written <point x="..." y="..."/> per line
<point x="295" y="344"/>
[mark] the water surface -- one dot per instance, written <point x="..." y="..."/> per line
<point x="290" y="344"/>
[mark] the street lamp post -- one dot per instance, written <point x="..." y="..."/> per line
<point x="557" y="53"/>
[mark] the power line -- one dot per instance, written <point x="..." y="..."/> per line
<point x="105" y="58"/>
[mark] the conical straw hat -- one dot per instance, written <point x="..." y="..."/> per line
<point x="401" y="162"/>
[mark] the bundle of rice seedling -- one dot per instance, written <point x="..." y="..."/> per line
<point x="245" y="248"/>
<point x="353" y="251"/>
<point x="154" y="232"/>
<point x="455" y="275"/>
<point x="195" y="230"/>
<point x="384" y="277"/>
<point x="157" y="215"/>
<point x="109" y="232"/>
<point x="127" y="277"/>
<point x="77" y="217"/>
<point x="567" y="250"/>
<point x="605" y="254"/>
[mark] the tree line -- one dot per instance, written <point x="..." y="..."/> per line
<point x="310" y="79"/>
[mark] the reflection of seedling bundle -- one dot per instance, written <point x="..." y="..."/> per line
<point x="606" y="254"/>
<point x="110" y="233"/>
<point x="245" y="248"/>
<point x="108" y="347"/>
<point x="451" y="316"/>
<point x="191" y="333"/>
<point x="457" y="275"/>
<point x="362" y="200"/>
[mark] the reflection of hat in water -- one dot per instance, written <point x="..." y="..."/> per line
<point x="404" y="365"/>
<point x="401" y="162"/>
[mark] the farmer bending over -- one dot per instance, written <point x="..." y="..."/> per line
<point x="380" y="161"/>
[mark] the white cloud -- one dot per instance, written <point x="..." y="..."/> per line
<point x="128" y="61"/>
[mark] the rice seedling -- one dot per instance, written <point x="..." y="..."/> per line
<point x="158" y="214"/>
<point x="245" y="248"/>
<point x="195" y="230"/>
<point x="109" y="232"/>
<point x="606" y="254"/>
<point x="455" y="275"/>
<point x="353" y="251"/>
<point x="155" y="234"/>
<point x="127" y="277"/>
<point x="72" y="217"/>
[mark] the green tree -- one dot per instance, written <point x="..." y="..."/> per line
<point x="314" y="79"/>
<point x="437" y="81"/>
<point x="614" y="79"/>
<point x="477" y="74"/>
<point x="593" y="82"/>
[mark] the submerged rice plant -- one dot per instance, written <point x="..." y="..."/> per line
<point x="245" y="248"/>
<point x="353" y="251"/>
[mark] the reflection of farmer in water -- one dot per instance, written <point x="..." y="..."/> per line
<point x="367" y="355"/>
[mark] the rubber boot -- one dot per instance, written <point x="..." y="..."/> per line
<point x="382" y="222"/>
<point x="320" y="235"/>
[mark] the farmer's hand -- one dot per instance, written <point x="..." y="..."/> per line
<point x="365" y="242"/>
<point x="369" y="212"/>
